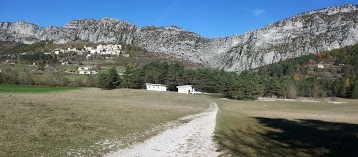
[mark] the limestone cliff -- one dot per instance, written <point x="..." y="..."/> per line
<point x="309" y="32"/>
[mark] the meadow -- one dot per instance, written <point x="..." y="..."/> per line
<point x="86" y="122"/>
<point x="10" y="88"/>
<point x="282" y="128"/>
<point x="53" y="121"/>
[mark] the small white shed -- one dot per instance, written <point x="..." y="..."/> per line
<point x="185" y="89"/>
<point x="156" y="87"/>
<point x="320" y="66"/>
<point x="86" y="70"/>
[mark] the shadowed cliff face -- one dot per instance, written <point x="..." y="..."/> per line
<point x="309" y="32"/>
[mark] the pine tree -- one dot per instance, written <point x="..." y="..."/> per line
<point x="109" y="79"/>
<point x="174" y="76"/>
<point x="103" y="81"/>
<point x="134" y="77"/>
<point x="244" y="87"/>
<point x="114" y="78"/>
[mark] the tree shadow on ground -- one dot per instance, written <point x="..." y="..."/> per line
<point x="282" y="137"/>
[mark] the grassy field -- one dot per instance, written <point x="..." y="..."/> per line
<point x="6" y="88"/>
<point x="86" y="122"/>
<point x="51" y="121"/>
<point x="281" y="128"/>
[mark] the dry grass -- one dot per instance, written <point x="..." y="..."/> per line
<point x="324" y="111"/>
<point x="281" y="128"/>
<point x="86" y="122"/>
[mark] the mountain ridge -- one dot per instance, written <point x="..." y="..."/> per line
<point x="309" y="32"/>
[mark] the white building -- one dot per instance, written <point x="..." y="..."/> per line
<point x="185" y="89"/>
<point x="93" y="51"/>
<point x="86" y="70"/>
<point x="320" y="66"/>
<point x="156" y="87"/>
<point x="100" y="46"/>
<point x="56" y="51"/>
<point x="71" y="49"/>
<point x="88" y="48"/>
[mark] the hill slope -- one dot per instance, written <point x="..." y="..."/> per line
<point x="332" y="73"/>
<point x="309" y="32"/>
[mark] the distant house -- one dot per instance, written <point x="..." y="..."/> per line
<point x="156" y="87"/>
<point x="71" y="49"/>
<point x="187" y="89"/>
<point x="86" y="70"/>
<point x="100" y="46"/>
<point x="88" y="48"/>
<point x="93" y="51"/>
<point x="320" y="66"/>
<point x="56" y="51"/>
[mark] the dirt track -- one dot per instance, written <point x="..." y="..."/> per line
<point x="190" y="139"/>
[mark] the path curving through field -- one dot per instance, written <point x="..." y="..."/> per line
<point x="190" y="139"/>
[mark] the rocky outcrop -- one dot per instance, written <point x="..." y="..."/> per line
<point x="309" y="32"/>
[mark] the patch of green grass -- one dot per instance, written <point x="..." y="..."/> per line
<point x="10" y="88"/>
<point x="278" y="129"/>
<point x="18" y="67"/>
<point x="86" y="122"/>
<point x="74" y="77"/>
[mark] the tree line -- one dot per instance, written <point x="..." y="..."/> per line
<point x="246" y="86"/>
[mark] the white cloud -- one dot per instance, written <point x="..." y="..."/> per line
<point x="257" y="12"/>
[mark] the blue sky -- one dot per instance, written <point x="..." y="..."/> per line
<point x="209" y="18"/>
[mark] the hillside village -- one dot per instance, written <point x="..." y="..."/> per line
<point x="101" y="49"/>
<point x="88" y="51"/>
<point x="68" y="56"/>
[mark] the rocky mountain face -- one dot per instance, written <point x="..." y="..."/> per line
<point x="309" y="32"/>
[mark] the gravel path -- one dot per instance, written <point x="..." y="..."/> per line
<point x="190" y="139"/>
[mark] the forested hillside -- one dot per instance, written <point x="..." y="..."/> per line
<point x="332" y="73"/>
